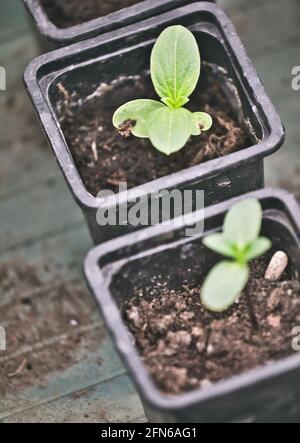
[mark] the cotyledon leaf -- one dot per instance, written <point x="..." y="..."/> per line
<point x="137" y="111"/>
<point x="223" y="285"/>
<point x="169" y="129"/>
<point x="203" y="122"/>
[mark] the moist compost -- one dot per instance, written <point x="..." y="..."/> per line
<point x="186" y="347"/>
<point x="104" y="158"/>
<point x="66" y="13"/>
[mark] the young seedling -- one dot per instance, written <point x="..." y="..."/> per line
<point x="175" y="71"/>
<point x="241" y="242"/>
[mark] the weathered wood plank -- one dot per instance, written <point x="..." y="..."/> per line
<point x="275" y="70"/>
<point x="283" y="168"/>
<point x="93" y="362"/>
<point x="13" y="19"/>
<point x="240" y="5"/>
<point x="257" y="27"/>
<point x="92" y="368"/>
<point x="25" y="157"/>
<point x="56" y="335"/>
<point x="55" y="256"/>
<point x="23" y="166"/>
<point x="37" y="213"/>
<point x="103" y="403"/>
<point x="14" y="57"/>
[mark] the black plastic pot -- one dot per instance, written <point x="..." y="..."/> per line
<point x="85" y="65"/>
<point x="270" y="393"/>
<point x="65" y="36"/>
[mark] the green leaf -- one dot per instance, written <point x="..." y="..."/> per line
<point x="175" y="65"/>
<point x="243" y="222"/>
<point x="219" y="244"/>
<point x="181" y="101"/>
<point x="137" y="111"/>
<point x="169" y="129"/>
<point x="203" y="122"/>
<point x="258" y="248"/>
<point x="223" y="285"/>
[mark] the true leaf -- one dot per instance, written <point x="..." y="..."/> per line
<point x="175" y="65"/>
<point x="203" y="122"/>
<point x="137" y="111"/>
<point x="243" y="222"/>
<point x="257" y="248"/>
<point x="224" y="284"/>
<point x="219" y="244"/>
<point x="169" y="129"/>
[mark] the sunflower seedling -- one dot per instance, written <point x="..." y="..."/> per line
<point x="241" y="242"/>
<point x="175" y="71"/>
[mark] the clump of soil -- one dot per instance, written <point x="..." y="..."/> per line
<point x="104" y="158"/>
<point x="186" y="347"/>
<point x="66" y="13"/>
<point x="47" y="326"/>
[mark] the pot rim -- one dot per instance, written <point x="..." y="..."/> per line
<point x="90" y="27"/>
<point x="117" y="328"/>
<point x="270" y="143"/>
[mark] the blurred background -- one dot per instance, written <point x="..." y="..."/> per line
<point x="59" y="364"/>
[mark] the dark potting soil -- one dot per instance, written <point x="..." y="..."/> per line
<point x="104" y="158"/>
<point x="186" y="347"/>
<point x="66" y="13"/>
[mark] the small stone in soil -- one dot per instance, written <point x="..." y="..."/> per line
<point x="74" y="322"/>
<point x="176" y="378"/>
<point x="274" y="321"/>
<point x="197" y="331"/>
<point x="277" y="266"/>
<point x="133" y="315"/>
<point x="205" y="383"/>
<point x="179" y="338"/>
<point x="274" y="299"/>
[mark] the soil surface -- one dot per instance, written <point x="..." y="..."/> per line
<point x="46" y="326"/>
<point x="66" y="13"/>
<point x="186" y="347"/>
<point x="104" y="158"/>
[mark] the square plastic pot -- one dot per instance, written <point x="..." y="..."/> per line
<point x="50" y="33"/>
<point x="83" y="66"/>
<point x="270" y="393"/>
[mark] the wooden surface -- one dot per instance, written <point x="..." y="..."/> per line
<point x="42" y="227"/>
